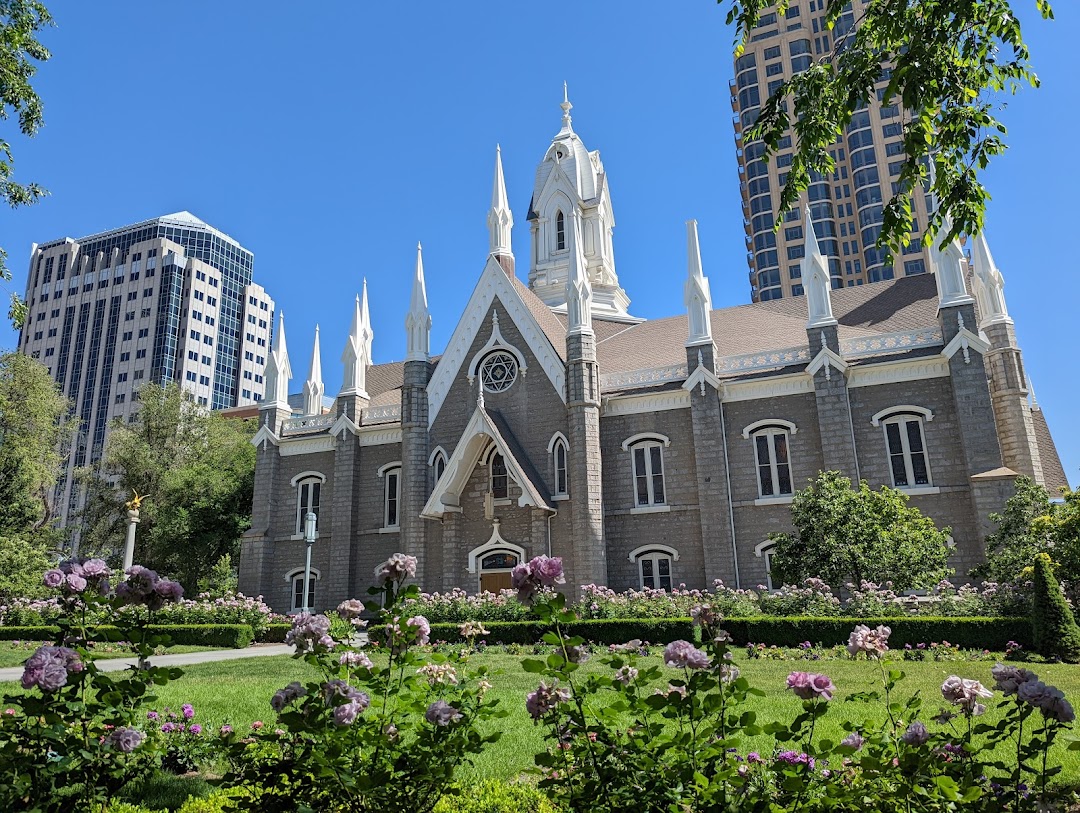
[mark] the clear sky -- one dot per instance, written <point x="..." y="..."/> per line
<point x="329" y="138"/>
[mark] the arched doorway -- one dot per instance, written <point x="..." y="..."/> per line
<point x="494" y="561"/>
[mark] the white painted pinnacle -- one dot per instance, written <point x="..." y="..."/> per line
<point x="500" y="218"/>
<point x="313" y="387"/>
<point x="696" y="294"/>
<point x="817" y="285"/>
<point x="566" y="107"/>
<point x="418" y="320"/>
<point x="578" y="287"/>
<point x="989" y="285"/>
<point x="278" y="371"/>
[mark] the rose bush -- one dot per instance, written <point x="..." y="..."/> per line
<point x="366" y="736"/>
<point x="75" y="736"/>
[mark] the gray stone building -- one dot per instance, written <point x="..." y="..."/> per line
<point x="644" y="453"/>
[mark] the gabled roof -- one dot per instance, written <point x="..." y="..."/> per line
<point x="482" y="430"/>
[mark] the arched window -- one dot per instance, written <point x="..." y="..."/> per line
<point x="295" y="578"/>
<point x="560" y="231"/>
<point x="655" y="566"/>
<point x="438" y="465"/>
<point x="498" y="477"/>
<point x="559" y="462"/>
<point x="308" y="495"/>
<point x="773" y="463"/>
<point x="905" y="444"/>
<point x="765" y="551"/>
<point x="391" y="475"/>
<point x="647" y="460"/>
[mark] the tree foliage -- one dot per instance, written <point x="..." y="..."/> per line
<point x="33" y="427"/>
<point x="846" y="535"/>
<point x="21" y="21"/>
<point x="945" y="63"/>
<point x="196" y="470"/>
<point x="1030" y="525"/>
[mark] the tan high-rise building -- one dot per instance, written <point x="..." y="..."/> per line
<point x="847" y="207"/>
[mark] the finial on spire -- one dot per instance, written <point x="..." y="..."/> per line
<point x="948" y="268"/>
<point x="500" y="218"/>
<point x="566" y="107"/>
<point x="418" y="320"/>
<point x="356" y="357"/>
<point x="989" y="285"/>
<point x="697" y="294"/>
<point x="278" y="371"/>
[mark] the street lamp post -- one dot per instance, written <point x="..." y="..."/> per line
<point x="309" y="540"/>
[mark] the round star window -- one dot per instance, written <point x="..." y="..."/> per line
<point x="498" y="371"/>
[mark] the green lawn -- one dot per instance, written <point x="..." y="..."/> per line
<point x="12" y="654"/>
<point x="239" y="691"/>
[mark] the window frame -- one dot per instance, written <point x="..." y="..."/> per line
<point x="770" y="434"/>
<point x="295" y="580"/>
<point x="560" y="230"/>
<point x="766" y="550"/>
<point x="300" y="482"/>
<point x="900" y="416"/>
<point x="390" y="474"/>
<point x="504" y="476"/>
<point x="655" y="553"/>
<point x="646" y="442"/>
<point x="438" y="457"/>
<point x="558" y="443"/>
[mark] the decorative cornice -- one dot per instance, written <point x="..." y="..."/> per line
<point x="769" y="358"/>
<point x="890" y="342"/>
<point x="897" y="372"/>
<point x="306" y="445"/>
<point x="306" y="423"/>
<point x="773" y="387"/>
<point x="388" y="413"/>
<point x="829" y="360"/>
<point x="644" y="377"/>
<point x="344" y="424"/>
<point x="263" y="436"/>
<point x="379" y="435"/>
<point x="965" y="341"/>
<point x="700" y="377"/>
<point x="641" y="404"/>
<point x="493" y="284"/>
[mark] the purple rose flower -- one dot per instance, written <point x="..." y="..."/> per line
<point x="351" y="610"/>
<point x="422" y="627"/>
<point x="396" y="569"/>
<point x="49" y="667"/>
<point x="309" y="632"/>
<point x="53" y="578"/>
<point x="965" y="693"/>
<point x="795" y="758"/>
<point x="95" y="569"/>
<point x="546" y="699"/>
<point x="548" y="570"/>
<point x="874" y="642"/>
<point x="684" y="655"/>
<point x="916" y="734"/>
<point x="346" y="714"/>
<point x="74" y="583"/>
<point x="1008" y="678"/>
<point x="195" y="728"/>
<point x="356" y="659"/>
<point x="283" y="697"/>
<point x="188" y="711"/>
<point x="853" y="740"/>
<point x="126" y="740"/>
<point x="441" y="713"/>
<point x="539" y="572"/>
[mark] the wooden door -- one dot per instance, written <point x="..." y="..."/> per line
<point x="494" y="582"/>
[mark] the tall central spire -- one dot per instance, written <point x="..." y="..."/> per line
<point x="418" y="320"/>
<point x="500" y="218"/>
<point x="313" y="387"/>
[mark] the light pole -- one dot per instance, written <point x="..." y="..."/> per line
<point x="309" y="539"/>
<point x="132" y="506"/>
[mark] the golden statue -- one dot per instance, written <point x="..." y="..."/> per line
<point x="135" y="502"/>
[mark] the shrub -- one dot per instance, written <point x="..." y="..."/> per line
<point x="813" y="599"/>
<point x="457" y="606"/>
<point x="275" y="633"/>
<point x="969" y="633"/>
<point x="232" y="608"/>
<point x="596" y="631"/>
<point x="1055" y="632"/>
<point x="491" y="796"/>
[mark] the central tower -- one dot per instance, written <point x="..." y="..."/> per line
<point x="571" y="184"/>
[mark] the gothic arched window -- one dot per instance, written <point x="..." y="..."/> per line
<point x="560" y="232"/>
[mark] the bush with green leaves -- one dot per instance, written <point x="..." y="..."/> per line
<point x="1056" y="633"/>
<point x="366" y="736"/>
<point x="74" y="736"/>
<point x="638" y="736"/>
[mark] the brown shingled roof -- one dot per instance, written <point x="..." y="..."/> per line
<point x="548" y="321"/>
<point x="1053" y="472"/>
<point x="908" y="303"/>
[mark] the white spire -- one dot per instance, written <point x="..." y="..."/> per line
<point x="989" y="285"/>
<point x="500" y="218"/>
<point x="816" y="280"/>
<point x="948" y="268"/>
<point x="697" y="295"/>
<point x="418" y="320"/>
<point x="278" y="371"/>
<point x="578" y="288"/>
<point x="357" y="354"/>
<point x="566" y="107"/>
<point x="313" y="387"/>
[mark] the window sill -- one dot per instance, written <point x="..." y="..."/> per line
<point x="560" y="497"/>
<point x="920" y="491"/>
<point x="392" y="529"/>
<point x="300" y="537"/>
<point x="501" y="502"/>
<point x="783" y="499"/>
<point x="651" y="509"/>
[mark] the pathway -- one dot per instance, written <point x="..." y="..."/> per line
<point x="186" y="659"/>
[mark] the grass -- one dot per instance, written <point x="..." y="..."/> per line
<point x="238" y="692"/>
<point x="14" y="654"/>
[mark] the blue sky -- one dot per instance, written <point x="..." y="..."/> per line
<point x="330" y="138"/>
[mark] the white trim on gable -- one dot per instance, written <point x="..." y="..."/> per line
<point x="494" y="543"/>
<point x="965" y="341"/>
<point x="263" y="436"/>
<point x="493" y="284"/>
<point x="496" y="342"/>
<point x="898" y="409"/>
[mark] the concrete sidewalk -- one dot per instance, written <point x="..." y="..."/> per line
<point x="186" y="659"/>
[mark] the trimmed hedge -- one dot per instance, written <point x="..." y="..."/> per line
<point x="225" y="636"/>
<point x="967" y="633"/>
<point x="275" y="633"/>
<point x="599" y="631"/>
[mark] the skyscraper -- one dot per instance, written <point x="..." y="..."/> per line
<point x="847" y="207"/>
<point x="168" y="299"/>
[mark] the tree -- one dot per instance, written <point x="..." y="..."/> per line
<point x="1030" y="525"/>
<point x="850" y="535"/>
<point x="22" y="563"/>
<point x="1052" y="622"/>
<point x="20" y="23"/>
<point x="943" y="62"/>
<point x="34" y="426"/>
<point x="196" y="470"/>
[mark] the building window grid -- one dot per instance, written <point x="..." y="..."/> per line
<point x="648" y="462"/>
<point x="392" y="498"/>
<point x="308" y="496"/>
<point x="906" y="446"/>
<point x="654" y="570"/>
<point x="773" y="462"/>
